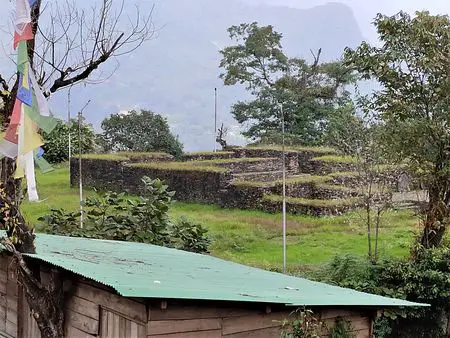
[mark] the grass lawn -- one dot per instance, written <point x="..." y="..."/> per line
<point x="254" y="237"/>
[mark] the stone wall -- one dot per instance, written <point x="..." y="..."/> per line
<point x="252" y="197"/>
<point x="253" y="165"/>
<point x="243" y="197"/>
<point x="318" y="167"/>
<point x="233" y="179"/>
<point x="189" y="185"/>
<point x="292" y="163"/>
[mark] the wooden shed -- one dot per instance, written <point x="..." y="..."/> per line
<point x="130" y="290"/>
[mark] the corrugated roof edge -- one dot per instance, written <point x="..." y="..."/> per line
<point x="189" y="295"/>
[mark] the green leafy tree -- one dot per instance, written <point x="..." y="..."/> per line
<point x="56" y="145"/>
<point x="412" y="67"/>
<point x="140" y="131"/>
<point x="311" y="93"/>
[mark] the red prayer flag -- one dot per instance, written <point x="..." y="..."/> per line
<point x="26" y="35"/>
<point x="15" y="116"/>
<point x="11" y="134"/>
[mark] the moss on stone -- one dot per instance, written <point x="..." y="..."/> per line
<point x="319" y="150"/>
<point x="329" y="203"/>
<point x="336" y="159"/>
<point x="178" y="166"/>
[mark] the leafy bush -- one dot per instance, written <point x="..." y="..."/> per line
<point x="424" y="279"/>
<point x="144" y="219"/>
<point x="189" y="236"/>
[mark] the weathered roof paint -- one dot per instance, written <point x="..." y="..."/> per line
<point x="149" y="271"/>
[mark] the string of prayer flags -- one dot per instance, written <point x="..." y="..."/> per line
<point x="31" y="113"/>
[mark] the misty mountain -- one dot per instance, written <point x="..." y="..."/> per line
<point x="175" y="73"/>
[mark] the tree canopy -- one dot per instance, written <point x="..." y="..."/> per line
<point x="56" y="145"/>
<point x="412" y="66"/>
<point x="310" y="92"/>
<point x="140" y="131"/>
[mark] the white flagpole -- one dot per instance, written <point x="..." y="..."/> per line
<point x="284" y="190"/>
<point x="215" y="119"/>
<point x="80" y="175"/>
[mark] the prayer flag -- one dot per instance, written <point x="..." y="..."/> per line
<point x="22" y="57"/>
<point x="23" y="15"/>
<point x="27" y="34"/>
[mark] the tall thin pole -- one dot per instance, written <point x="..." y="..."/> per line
<point x="68" y="123"/>
<point x="215" y="119"/>
<point x="80" y="169"/>
<point x="284" y="189"/>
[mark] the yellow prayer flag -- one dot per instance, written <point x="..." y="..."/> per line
<point x="32" y="139"/>
<point x="25" y="83"/>
<point x="20" y="170"/>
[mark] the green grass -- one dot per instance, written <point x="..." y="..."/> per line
<point x="336" y="159"/>
<point x="143" y="154"/>
<point x="319" y="150"/>
<point x="336" y="187"/>
<point x="254" y="237"/>
<point x="180" y="166"/>
<point x="344" y="174"/>
<point x="340" y="202"/>
<point x="123" y="156"/>
<point x="200" y="153"/>
<point x="291" y="180"/>
<point x="233" y="160"/>
<point x="105" y="157"/>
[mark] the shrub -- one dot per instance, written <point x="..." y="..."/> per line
<point x="144" y="219"/>
<point x="424" y="279"/>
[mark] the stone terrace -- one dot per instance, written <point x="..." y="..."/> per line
<point x="319" y="181"/>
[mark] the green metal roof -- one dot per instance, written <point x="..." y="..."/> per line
<point x="148" y="271"/>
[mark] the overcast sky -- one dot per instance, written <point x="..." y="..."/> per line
<point x="365" y="10"/>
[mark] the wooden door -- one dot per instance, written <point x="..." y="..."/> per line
<point x="114" y="325"/>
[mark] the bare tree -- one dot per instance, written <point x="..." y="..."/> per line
<point x="69" y="46"/>
<point x="221" y="135"/>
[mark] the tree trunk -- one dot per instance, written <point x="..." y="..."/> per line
<point x="45" y="302"/>
<point x="438" y="209"/>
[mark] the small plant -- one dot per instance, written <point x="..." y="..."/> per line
<point x="342" y="329"/>
<point x="305" y="325"/>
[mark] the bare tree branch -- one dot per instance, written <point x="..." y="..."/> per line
<point x="75" y="43"/>
<point x="5" y="89"/>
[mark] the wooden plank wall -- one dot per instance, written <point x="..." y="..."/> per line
<point x="191" y="322"/>
<point x="27" y="322"/>
<point x="83" y="318"/>
<point x="8" y="297"/>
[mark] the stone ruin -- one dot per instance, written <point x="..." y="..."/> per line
<point x="318" y="180"/>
